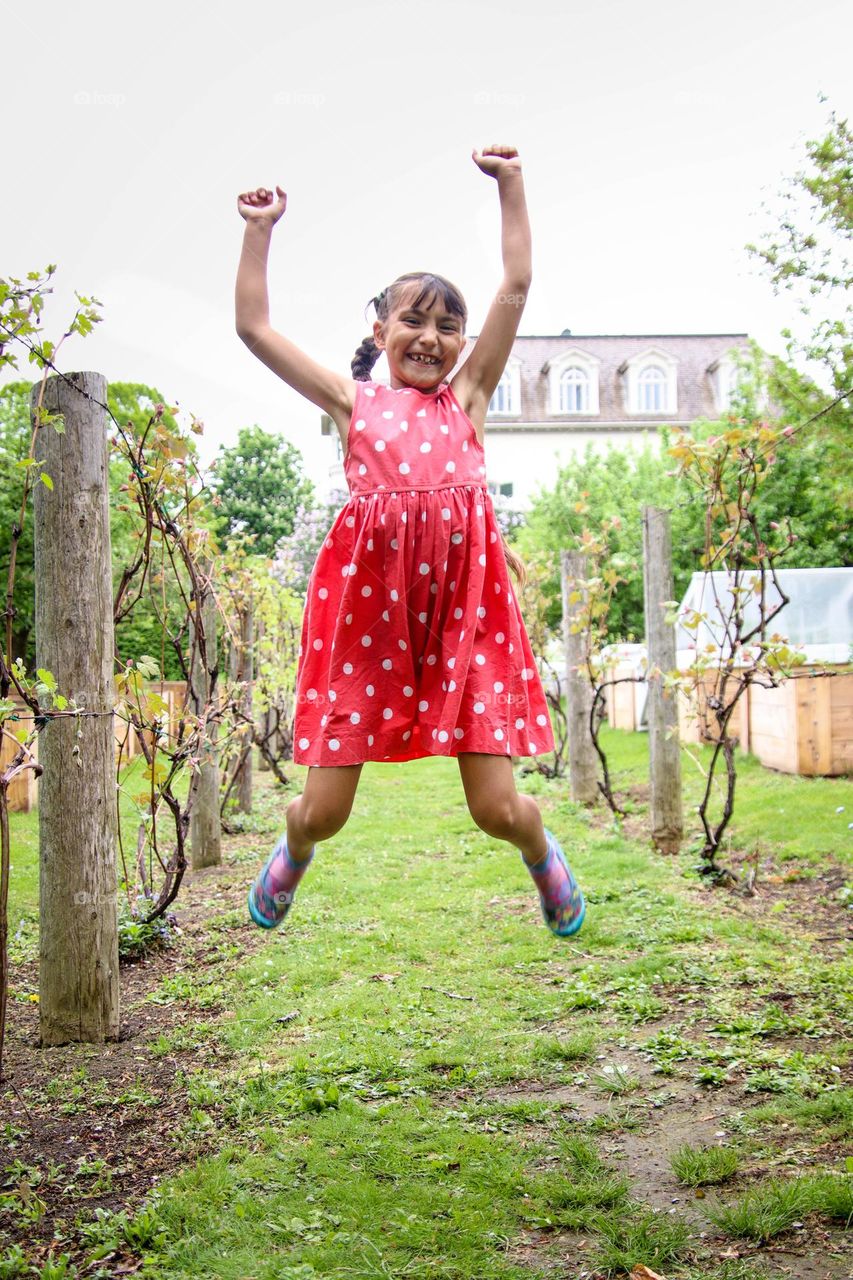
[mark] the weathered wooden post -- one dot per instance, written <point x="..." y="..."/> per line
<point x="583" y="762"/>
<point x="78" y="947"/>
<point x="242" y="670"/>
<point x="205" y="826"/>
<point x="662" y="706"/>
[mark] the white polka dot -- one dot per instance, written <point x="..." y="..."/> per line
<point x="379" y="446"/>
<point x="304" y="744"/>
<point x="432" y="660"/>
<point x="311" y="694"/>
<point x="387" y="413"/>
<point x="387" y="664"/>
<point x="479" y="707"/>
<point x="443" y="735"/>
<point x="464" y="446"/>
<point x="350" y="522"/>
<point x="421" y="413"/>
<point x="445" y="513"/>
<point x="367" y="591"/>
<point x="366" y="641"/>
<point x="408" y="690"/>
<point x="323" y="722"/>
<point x="370" y="739"/>
<point x="526" y="673"/>
<point x="426" y="447"/>
<point x="519" y="724"/>
<point x="369" y="544"/>
<point x="405" y="517"/>
<point x="451" y="686"/>
<point x="498" y="587"/>
<point x="404" y="468"/>
<point x="334" y="745"/>
<point x="318" y="644"/>
<point x="362" y="470"/>
<point x="394" y="544"/>
<point x="444" y="429"/>
<point x="323" y="593"/>
<point x="499" y="734"/>
<point x="360" y="425"/>
<point x="532" y="746"/>
<point x="354" y="717"/>
<point x="433" y="587"/>
<point x="451" y="662"/>
<point x="348" y="619"/>
<point x="457" y="733"/>
<point x="395" y="596"/>
<point x="457" y="613"/>
<point x="423" y="567"/>
<point x="387" y="713"/>
<point x="479" y="509"/>
<point x="498" y="686"/>
<point x="422" y="617"/>
<point x="407" y="735"/>
<point x="332" y="695"/>
<point x="450" y="466"/>
<point x="511" y="647"/>
<point x="402" y="644"/>
<point x="347" y="668"/>
<point x="434" y="732"/>
<point x="500" y="637"/>
<point x="369" y="690"/>
<point x="481" y="612"/>
<point x="404" y="426"/>
<point x="386" y="615"/>
<point x="453" y="584"/>
<point x="479" y="659"/>
<point x="369" y="391"/>
<point x="481" y="560"/>
<point x="540" y="720"/>
<point x="493" y="537"/>
<point x="423" y="517"/>
<point x="423" y="705"/>
<point x="456" y="538"/>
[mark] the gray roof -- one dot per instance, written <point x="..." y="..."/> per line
<point x="695" y="354"/>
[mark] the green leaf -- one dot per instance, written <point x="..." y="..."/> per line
<point x="46" y="480"/>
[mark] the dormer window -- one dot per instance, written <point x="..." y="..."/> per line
<point x="651" y="390"/>
<point x="506" y="400"/>
<point x="573" y="383"/>
<point x="574" y="390"/>
<point x="728" y="377"/>
<point x="651" y="383"/>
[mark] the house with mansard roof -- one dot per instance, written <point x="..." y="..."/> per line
<point x="561" y="393"/>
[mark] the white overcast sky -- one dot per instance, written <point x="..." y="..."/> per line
<point x="650" y="134"/>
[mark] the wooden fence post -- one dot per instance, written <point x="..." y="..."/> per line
<point x="78" y="928"/>
<point x="205" y="825"/>
<point x="242" y="670"/>
<point x="662" y="707"/>
<point x="583" y="762"/>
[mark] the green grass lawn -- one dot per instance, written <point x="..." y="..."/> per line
<point x="413" y="1078"/>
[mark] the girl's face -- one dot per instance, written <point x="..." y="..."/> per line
<point x="422" y="344"/>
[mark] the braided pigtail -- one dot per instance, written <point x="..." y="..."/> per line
<point x="364" y="359"/>
<point x="515" y="563"/>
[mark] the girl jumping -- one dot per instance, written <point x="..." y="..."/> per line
<point x="412" y="639"/>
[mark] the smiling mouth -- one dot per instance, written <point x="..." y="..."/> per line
<point x="422" y="359"/>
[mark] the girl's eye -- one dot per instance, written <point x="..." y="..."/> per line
<point x="410" y="320"/>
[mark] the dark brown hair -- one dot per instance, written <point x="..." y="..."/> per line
<point x="432" y="287"/>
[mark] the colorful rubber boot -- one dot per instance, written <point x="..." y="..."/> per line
<point x="272" y="892"/>
<point x="563" y="906"/>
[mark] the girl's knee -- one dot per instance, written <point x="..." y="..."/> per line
<point x="317" y="822"/>
<point x="493" y="814"/>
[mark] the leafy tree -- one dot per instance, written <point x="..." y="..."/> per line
<point x="15" y="433"/>
<point x="260" y="485"/>
<point x="807" y="255"/>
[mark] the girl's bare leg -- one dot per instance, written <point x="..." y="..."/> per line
<point x="322" y="809"/>
<point x="496" y="806"/>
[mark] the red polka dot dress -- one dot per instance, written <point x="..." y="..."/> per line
<point x="413" y="643"/>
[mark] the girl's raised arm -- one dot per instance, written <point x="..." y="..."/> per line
<point x="475" y="382"/>
<point x="330" y="391"/>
